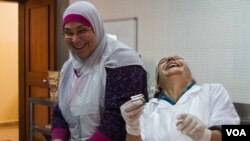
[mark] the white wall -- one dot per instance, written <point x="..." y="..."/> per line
<point x="9" y="62"/>
<point x="212" y="35"/>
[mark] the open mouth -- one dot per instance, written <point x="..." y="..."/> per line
<point x="172" y="65"/>
<point x="80" y="46"/>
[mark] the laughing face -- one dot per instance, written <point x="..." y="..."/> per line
<point x="173" y="66"/>
<point x="80" y="38"/>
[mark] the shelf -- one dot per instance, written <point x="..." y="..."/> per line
<point x="40" y="129"/>
<point x="43" y="101"/>
<point x="39" y="101"/>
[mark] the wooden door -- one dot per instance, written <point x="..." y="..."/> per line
<point x="36" y="56"/>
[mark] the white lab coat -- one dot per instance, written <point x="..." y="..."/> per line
<point x="209" y="102"/>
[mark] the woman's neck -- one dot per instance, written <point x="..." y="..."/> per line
<point x="175" y="88"/>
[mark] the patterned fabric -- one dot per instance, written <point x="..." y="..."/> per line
<point x="121" y="83"/>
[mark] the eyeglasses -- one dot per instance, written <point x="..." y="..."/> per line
<point x="69" y="34"/>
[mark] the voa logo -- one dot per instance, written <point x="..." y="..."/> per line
<point x="236" y="132"/>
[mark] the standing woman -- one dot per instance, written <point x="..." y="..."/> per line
<point x="96" y="80"/>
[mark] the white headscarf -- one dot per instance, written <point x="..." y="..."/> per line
<point x="81" y="99"/>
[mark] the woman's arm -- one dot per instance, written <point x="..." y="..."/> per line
<point x="222" y="108"/>
<point x="60" y="128"/>
<point x="131" y="113"/>
<point x="121" y="84"/>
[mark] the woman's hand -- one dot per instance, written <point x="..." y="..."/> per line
<point x="193" y="127"/>
<point x="131" y="112"/>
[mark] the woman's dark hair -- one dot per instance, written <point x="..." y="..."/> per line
<point x="157" y="94"/>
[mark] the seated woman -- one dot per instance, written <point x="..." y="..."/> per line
<point x="181" y="109"/>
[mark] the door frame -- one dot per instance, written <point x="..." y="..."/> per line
<point x="21" y="73"/>
<point x="21" y="69"/>
<point x="22" y="104"/>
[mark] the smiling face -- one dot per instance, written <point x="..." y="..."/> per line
<point x="81" y="39"/>
<point x="173" y="67"/>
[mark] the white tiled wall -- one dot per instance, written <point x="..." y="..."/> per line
<point x="212" y="35"/>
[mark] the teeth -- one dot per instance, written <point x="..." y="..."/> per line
<point x="80" y="46"/>
<point x="172" y="65"/>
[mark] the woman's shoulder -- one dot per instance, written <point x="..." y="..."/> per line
<point x="66" y="65"/>
<point x="120" y="50"/>
<point x="213" y="86"/>
<point x="215" y="90"/>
